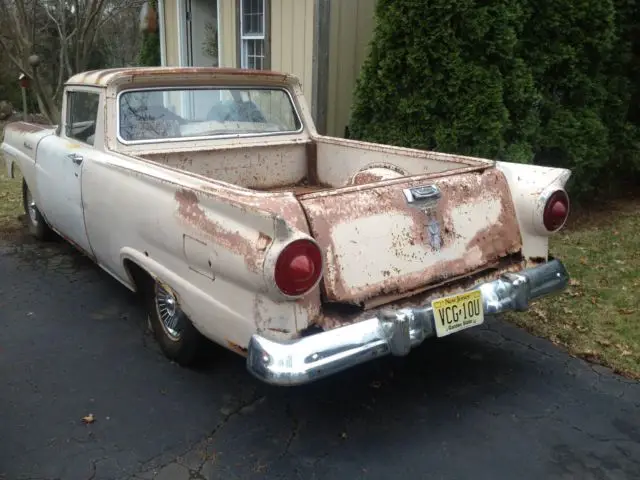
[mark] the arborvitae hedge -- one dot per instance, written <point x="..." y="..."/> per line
<point x="546" y="81"/>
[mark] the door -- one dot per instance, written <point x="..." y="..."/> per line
<point x="59" y="165"/>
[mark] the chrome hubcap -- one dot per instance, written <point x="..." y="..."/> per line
<point x="31" y="208"/>
<point x="169" y="312"/>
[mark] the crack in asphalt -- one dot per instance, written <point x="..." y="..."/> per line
<point x="522" y="344"/>
<point x="610" y="374"/>
<point x="233" y="413"/>
<point x="94" y="469"/>
<point x="196" y="473"/>
<point x="295" y="428"/>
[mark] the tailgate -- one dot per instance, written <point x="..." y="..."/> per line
<point x="402" y="236"/>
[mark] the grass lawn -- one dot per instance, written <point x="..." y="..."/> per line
<point x="10" y="202"/>
<point x="597" y="318"/>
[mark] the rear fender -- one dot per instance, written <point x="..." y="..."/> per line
<point x="530" y="187"/>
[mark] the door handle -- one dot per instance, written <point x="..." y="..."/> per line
<point x="75" y="158"/>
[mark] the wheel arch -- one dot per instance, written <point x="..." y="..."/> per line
<point x="140" y="278"/>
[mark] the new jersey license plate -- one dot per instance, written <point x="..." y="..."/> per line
<point x="457" y="312"/>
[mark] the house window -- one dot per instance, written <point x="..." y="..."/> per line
<point x="253" y="34"/>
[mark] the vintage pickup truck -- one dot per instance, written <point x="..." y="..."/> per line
<point x="210" y="192"/>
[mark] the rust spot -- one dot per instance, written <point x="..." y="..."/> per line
<point x="263" y="241"/>
<point x="377" y="173"/>
<point x="26" y="127"/>
<point x="302" y="187"/>
<point x="105" y="76"/>
<point x="279" y="330"/>
<point x="189" y="209"/>
<point x="365" y="177"/>
<point x="237" y="348"/>
<point x="311" y="305"/>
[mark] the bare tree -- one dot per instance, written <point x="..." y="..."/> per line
<point x="121" y="38"/>
<point x="29" y="27"/>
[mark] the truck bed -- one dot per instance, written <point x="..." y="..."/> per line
<point x="327" y="163"/>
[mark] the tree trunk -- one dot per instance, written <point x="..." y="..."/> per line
<point x="46" y="102"/>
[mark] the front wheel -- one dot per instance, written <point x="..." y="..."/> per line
<point x="36" y="223"/>
<point x="179" y="340"/>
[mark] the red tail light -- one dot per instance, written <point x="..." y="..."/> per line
<point x="556" y="210"/>
<point x="298" y="267"/>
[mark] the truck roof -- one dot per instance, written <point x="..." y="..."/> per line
<point x="109" y="76"/>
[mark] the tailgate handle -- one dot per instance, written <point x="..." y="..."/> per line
<point x="422" y="196"/>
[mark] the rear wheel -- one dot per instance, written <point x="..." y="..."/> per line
<point x="35" y="221"/>
<point x="179" y="340"/>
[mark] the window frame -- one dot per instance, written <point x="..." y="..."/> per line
<point x="265" y="37"/>
<point x="69" y="94"/>
<point x="213" y="138"/>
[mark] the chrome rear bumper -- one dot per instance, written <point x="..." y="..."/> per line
<point x="389" y="332"/>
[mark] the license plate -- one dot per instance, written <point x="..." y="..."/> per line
<point x="457" y="312"/>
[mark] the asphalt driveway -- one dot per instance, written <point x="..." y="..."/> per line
<point x="491" y="403"/>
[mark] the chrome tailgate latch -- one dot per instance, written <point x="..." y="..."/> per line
<point x="425" y="198"/>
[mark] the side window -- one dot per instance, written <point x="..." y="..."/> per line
<point x="82" y="114"/>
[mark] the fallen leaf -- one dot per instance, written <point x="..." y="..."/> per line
<point x="89" y="418"/>
<point x="574" y="283"/>
<point x="590" y="356"/>
<point x="626" y="311"/>
<point x="594" y="300"/>
<point x="606" y="343"/>
<point x="541" y="314"/>
<point x="583" y="260"/>
<point x="626" y="353"/>
<point x="567" y="310"/>
<point x="615" y="232"/>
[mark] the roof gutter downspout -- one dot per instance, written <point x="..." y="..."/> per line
<point x="320" y="69"/>
<point x="161" y="27"/>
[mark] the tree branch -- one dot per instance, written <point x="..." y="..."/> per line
<point x="13" y="59"/>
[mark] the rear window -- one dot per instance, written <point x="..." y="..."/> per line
<point x="158" y="114"/>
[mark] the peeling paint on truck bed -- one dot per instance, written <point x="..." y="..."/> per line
<point x="376" y="244"/>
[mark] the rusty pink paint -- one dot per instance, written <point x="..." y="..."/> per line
<point x="107" y="76"/>
<point x="189" y="210"/>
<point x="27" y="127"/>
